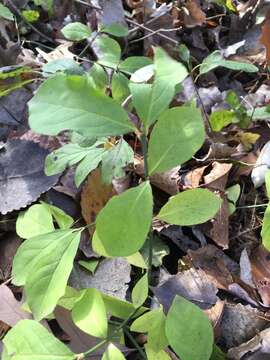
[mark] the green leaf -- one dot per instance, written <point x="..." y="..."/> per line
<point x="120" y="89"/>
<point x="45" y="4"/>
<point x="221" y="118"/>
<point x="217" y="354"/>
<point x="88" y="164"/>
<point x="168" y="73"/>
<point x="120" y="308"/>
<point x="233" y="193"/>
<point x="69" y="299"/>
<point x="266" y="218"/>
<point x="137" y="260"/>
<point x="144" y="74"/>
<point x="70" y="154"/>
<point x="89" y="314"/>
<point x="159" y="251"/>
<point x="260" y="113"/>
<point x="43" y="264"/>
<point x="177" y="136"/>
<point x="37" y="220"/>
<point x="6" y="13"/>
<point x="215" y="60"/>
<point x="76" y="106"/>
<point x="30" y="15"/>
<point x="90" y="265"/>
<point x="190" y="207"/>
<point x="153" y="323"/>
<point x="115" y="29"/>
<point x="189" y="331"/>
<point x="64" y="221"/>
<point x="115" y="160"/>
<point x="112" y="353"/>
<point x="129" y="213"/>
<point x="98" y="78"/>
<point x="68" y="66"/>
<point x="108" y="51"/>
<point x="152" y="355"/>
<point x="76" y="31"/>
<point x="140" y="291"/>
<point x="134" y="63"/>
<point x="30" y="340"/>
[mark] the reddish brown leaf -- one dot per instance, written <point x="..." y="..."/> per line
<point x="265" y="37"/>
<point x="94" y="197"/>
<point x="260" y="265"/>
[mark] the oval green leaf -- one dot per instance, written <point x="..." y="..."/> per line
<point x="43" y="264"/>
<point x="123" y="224"/>
<point x="76" y="31"/>
<point x="37" y="220"/>
<point x="89" y="314"/>
<point x="140" y="291"/>
<point x="190" y="207"/>
<point x="112" y="353"/>
<point x="177" y="136"/>
<point x="189" y="331"/>
<point x="30" y="340"/>
<point x="68" y="102"/>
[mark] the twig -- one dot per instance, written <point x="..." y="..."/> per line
<point x="152" y="31"/>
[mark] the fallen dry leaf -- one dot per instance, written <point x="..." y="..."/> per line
<point x="10" y="308"/>
<point x="260" y="266"/>
<point x="192" y="284"/>
<point x="258" y="348"/>
<point x="22" y="178"/>
<point x="193" y="14"/>
<point x="94" y="197"/>
<point x="265" y="37"/>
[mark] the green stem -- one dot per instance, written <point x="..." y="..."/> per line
<point x="134" y="343"/>
<point x="108" y="339"/>
<point x="144" y="142"/>
<point x="150" y="257"/>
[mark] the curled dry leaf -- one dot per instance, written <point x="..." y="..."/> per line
<point x="193" y="14"/>
<point x="94" y="197"/>
<point x="223" y="272"/>
<point x="193" y="285"/>
<point x="258" y="348"/>
<point x="240" y="323"/>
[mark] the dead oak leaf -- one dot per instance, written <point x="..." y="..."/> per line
<point x="94" y="197"/>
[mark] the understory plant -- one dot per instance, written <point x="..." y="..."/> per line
<point x="96" y="108"/>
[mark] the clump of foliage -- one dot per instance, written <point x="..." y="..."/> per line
<point x="73" y="100"/>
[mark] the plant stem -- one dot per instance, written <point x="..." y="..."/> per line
<point x="108" y="339"/>
<point x="150" y="256"/>
<point x="144" y="142"/>
<point x="133" y="341"/>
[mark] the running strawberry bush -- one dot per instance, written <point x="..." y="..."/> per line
<point x="73" y="100"/>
